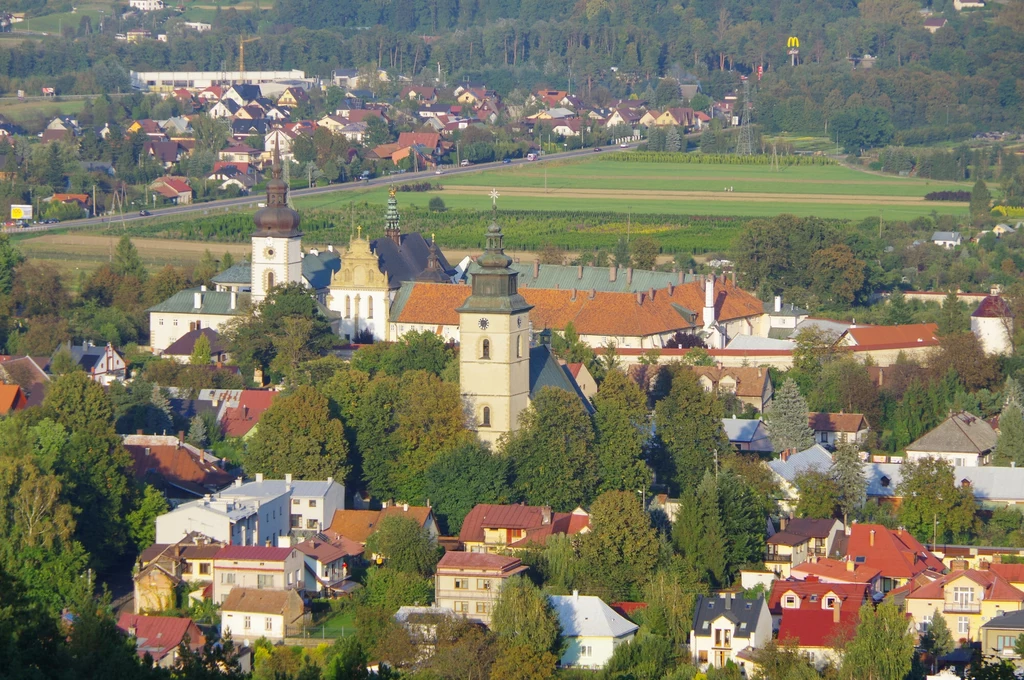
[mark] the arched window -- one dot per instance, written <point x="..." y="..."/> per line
<point x="519" y="346"/>
<point x="348" y="306"/>
<point x="270" y="280"/>
<point x="369" y="308"/>
<point x="485" y="417"/>
<point x="486" y="354"/>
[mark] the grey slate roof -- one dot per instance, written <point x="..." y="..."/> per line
<point x="742" y="612"/>
<point x="946" y="236"/>
<point x="567" y="277"/>
<point x="214" y="302"/>
<point x="837" y="327"/>
<point x="960" y="433"/>
<point x="272" y="488"/>
<point x="754" y="342"/>
<point x="589" y="616"/>
<point x="235" y="274"/>
<point x="1007" y="621"/>
<point x="407" y="262"/>
<point x="316" y="269"/>
<point x="989" y="483"/>
<point x="815" y="457"/>
<point x="740" y="429"/>
<point x="546" y="372"/>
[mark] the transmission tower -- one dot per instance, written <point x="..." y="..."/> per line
<point x="745" y="145"/>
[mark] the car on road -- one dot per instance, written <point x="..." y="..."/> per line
<point x="623" y="146"/>
<point x="531" y="156"/>
<point x="506" y="161"/>
<point x="465" y="163"/>
<point x="49" y="221"/>
<point x="439" y="171"/>
<point x="366" y="175"/>
<point x="10" y="223"/>
<point x="597" y="148"/>
<point x="144" y="213"/>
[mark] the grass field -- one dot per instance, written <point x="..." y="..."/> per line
<point x="35" y="110"/>
<point x="54" y="23"/>
<point x="595" y="185"/>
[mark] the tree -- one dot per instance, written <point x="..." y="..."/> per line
<point x="523" y="616"/>
<point x="981" y="199"/>
<point x="63" y="363"/>
<point x="862" y="127"/>
<point x="404" y="545"/>
<point x="777" y="661"/>
<point x="297" y="435"/>
<point x="819" y="495"/>
<point x="1010" y="445"/>
<point x="898" y="312"/>
<point x="520" y="662"/>
<point x="460" y="479"/>
<point x="10" y="258"/>
<point x="963" y="354"/>
<point x="197" y="432"/>
<point x="689" y="434"/>
<point x="552" y="452"/>
<point x="933" y="506"/>
<point x="622" y="548"/>
<point x="212" y="133"/>
<point x="848" y="475"/>
<point x="643" y="252"/>
<point x="786" y="419"/>
<point x="938" y="640"/>
<point x="621" y="253"/>
<point x="882" y="647"/>
<point x="127" y="261"/>
<point x="142" y="520"/>
<point x="953" y="318"/>
<point x="836" y="274"/>
<point x="436" y="204"/>
<point x="670" y="595"/>
<point x="200" y="351"/>
<point x="205" y="269"/>
<point x="622" y="424"/>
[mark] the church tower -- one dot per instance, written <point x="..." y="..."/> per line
<point x="277" y="241"/>
<point x="494" y="354"/>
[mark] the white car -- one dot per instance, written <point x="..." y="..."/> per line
<point x="439" y="171"/>
<point x="623" y="146"/>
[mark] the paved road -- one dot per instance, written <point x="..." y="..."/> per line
<point x="212" y="207"/>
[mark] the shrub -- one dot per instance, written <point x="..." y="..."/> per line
<point x="436" y="204"/>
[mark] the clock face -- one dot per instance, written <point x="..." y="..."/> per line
<point x="483" y="323"/>
<point x="268" y="253"/>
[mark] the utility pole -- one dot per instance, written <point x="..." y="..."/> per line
<point x="94" y="200"/>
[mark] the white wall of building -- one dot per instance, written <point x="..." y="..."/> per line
<point x="166" y="327"/>
<point x="270" y="626"/>
<point x="993" y="334"/>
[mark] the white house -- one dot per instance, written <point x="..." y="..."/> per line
<point x="727" y="628"/>
<point x="250" y="613"/>
<point x="312" y="503"/>
<point x="256" y="566"/>
<point x="992" y="323"/>
<point x="962" y="439"/>
<point x="960" y="5"/>
<point x="146" y="5"/>
<point x="236" y="520"/>
<point x="591" y="629"/>
<point x="947" y="239"/>
<point x="838" y="428"/>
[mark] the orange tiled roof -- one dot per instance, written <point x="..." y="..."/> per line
<point x="836" y="422"/>
<point x="597" y="313"/>
<point x="907" y="334"/>
<point x="996" y="587"/>
<point x="896" y="553"/>
<point x="11" y="399"/>
<point x="750" y="381"/>
<point x="357" y="525"/>
<point x="836" y="570"/>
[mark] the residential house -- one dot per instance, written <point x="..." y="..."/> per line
<point x="828" y="570"/>
<point x="256" y="566"/>
<point x="1014" y="573"/>
<point x="932" y="24"/>
<point x="999" y="635"/>
<point x="240" y="153"/>
<point x="328" y="563"/>
<point x="992" y="486"/>
<point x="831" y="429"/>
<point x="249" y="614"/>
<point x="345" y="78"/>
<point x="747" y="434"/>
<point x="549" y="98"/>
<point x="591" y="630"/>
<point x="28" y="373"/>
<point x="161" y="636"/>
<point x="788" y="466"/>
<point x="568" y="127"/>
<point x="83" y="201"/>
<point x="155" y="588"/>
<point x="282" y="140"/>
<point x="819" y="634"/>
<point x="312" y="503"/>
<point x="193" y="308"/>
<point x="812" y="594"/>
<point x="190" y="559"/>
<point x="430" y="140"/>
<point x="960" y="5"/>
<point x="224" y="108"/>
<point x="174" y="189"/>
<point x="213" y="93"/>
<point x="649" y="119"/>
<point x="469" y="583"/>
<point x="493" y="528"/>
<point x="800" y="540"/>
<point x="251" y="111"/>
<point x="963" y="440"/>
<point x="624" y="116"/>
<point x="103" y="364"/>
<point x="750" y="385"/>
<point x="894" y="552"/>
<point x="966" y="598"/>
<point x="278" y="114"/>
<point x="242" y="420"/>
<point x="230" y="176"/>
<point x="358" y="525"/>
<point x="947" y="239"/>
<point x="992" y="323"/>
<point x="419" y="94"/>
<point x="167" y="153"/>
<point x="292" y="97"/>
<point x="471" y="94"/>
<point x="175" y="467"/>
<point x="726" y="626"/>
<point x="242" y="129"/>
<point x="181" y="349"/>
<point x="678" y="117"/>
<point x="235" y="520"/>
<point x="884" y="345"/>
<point x="12" y="398"/>
<point x="242" y="93"/>
<point x="579" y="372"/>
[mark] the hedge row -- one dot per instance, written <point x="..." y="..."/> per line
<point x="961" y="196"/>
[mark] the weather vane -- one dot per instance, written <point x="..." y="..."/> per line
<point x="494" y="198"/>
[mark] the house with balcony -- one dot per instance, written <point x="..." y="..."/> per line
<point x="257" y="567"/>
<point x="800" y="540"/>
<point x="966" y="598"/>
<point x="328" y="563"/>
<point x="469" y="583"/>
<point x="999" y="636"/>
<point x="493" y="528"/>
<point x="728" y="628"/>
<point x="311" y="503"/>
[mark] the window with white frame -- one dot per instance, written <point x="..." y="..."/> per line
<point x="789" y="602"/>
<point x="586" y="650"/>
<point x="247" y="622"/>
<point x="963" y="625"/>
<point x="925" y="623"/>
<point x="268" y="623"/>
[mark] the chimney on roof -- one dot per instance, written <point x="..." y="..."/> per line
<point x="778" y="304"/>
<point x="147" y="450"/>
<point x="133" y="631"/>
<point x="203" y="287"/>
<point x="238" y="482"/>
<point x="330" y="480"/>
<point x="958" y="565"/>
<point x="629" y="275"/>
<point x="234" y="299"/>
<point x="680" y="277"/>
<point x="592" y="294"/>
<point x="573" y="298"/>
<point x="733" y="275"/>
<point x="579" y="272"/>
<point x="983" y="565"/>
<point x="671" y="289"/>
<point x="728" y="601"/>
<point x="640" y="297"/>
<point x="330" y="248"/>
<point x="139" y="431"/>
<point x="288" y="480"/>
<point x="612" y="272"/>
<point x="851" y="566"/>
<point x="783" y="522"/>
<point x="259" y="477"/>
<point x="650" y="293"/>
<point x="784" y="456"/>
<point x="181" y="436"/>
<point x="837" y="609"/>
<point x="545" y="515"/>
<point x="871" y="539"/>
<point x="197" y="300"/>
<point x="536" y="268"/>
<point x="575" y="596"/>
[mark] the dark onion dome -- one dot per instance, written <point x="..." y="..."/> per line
<point x="277" y="219"/>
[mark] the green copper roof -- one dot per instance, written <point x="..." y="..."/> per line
<point x="213" y="302"/>
<point x="240" y="273"/>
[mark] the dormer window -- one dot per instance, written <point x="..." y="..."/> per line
<point x="830" y="603"/>
<point x="884" y="481"/>
<point x="790" y="602"/>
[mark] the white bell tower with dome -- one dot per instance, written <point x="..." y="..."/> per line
<point x="277" y="241"/>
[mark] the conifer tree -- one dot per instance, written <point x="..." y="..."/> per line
<point x="713" y="543"/>
<point x="938" y="639"/>
<point x="1010" y="445"/>
<point x="898" y="312"/>
<point x="953" y="318"/>
<point x="786" y="419"/>
<point x="849" y="478"/>
<point x="197" y="431"/>
<point x="980" y="199"/>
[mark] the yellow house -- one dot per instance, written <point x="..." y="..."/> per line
<point x="966" y="598"/>
<point x="155" y="589"/>
<point x="496" y="528"/>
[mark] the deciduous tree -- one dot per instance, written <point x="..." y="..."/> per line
<point x="404" y="545"/>
<point x="621" y="549"/>
<point x="622" y="424"/>
<point x="882" y="648"/>
<point x="932" y="504"/>
<point x="458" y="480"/>
<point x="523" y="616"/>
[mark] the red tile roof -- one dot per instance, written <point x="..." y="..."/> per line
<point x="922" y="334"/>
<point x="526" y="517"/>
<point x="160" y="635"/>
<point x="995" y="586"/>
<point x="895" y="553"/>
<point x="836" y="570"/>
<point x="238" y="421"/>
<point x="852" y="595"/>
<point x="1011" y="572"/>
<point x="837" y="422"/>
<point x="465" y="560"/>
<point x="357" y="525"/>
<point x="993" y="307"/>
<point x="176" y="464"/>
<point x="11" y="399"/>
<point x="260" y="553"/>
<point x="817" y="627"/>
<point x="427" y="139"/>
<point x="324" y="551"/>
<point x="627" y="609"/>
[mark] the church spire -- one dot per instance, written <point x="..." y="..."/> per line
<point x="277" y="218"/>
<point x="392" y="229"/>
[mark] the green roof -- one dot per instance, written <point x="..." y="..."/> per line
<point x="238" y="273"/>
<point x="213" y="302"/>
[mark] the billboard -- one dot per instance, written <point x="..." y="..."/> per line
<point x="21" y="212"/>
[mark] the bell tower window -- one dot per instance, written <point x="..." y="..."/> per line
<point x="485" y="417"/>
<point x="519" y="346"/>
<point x="369" y="307"/>
<point x="486" y="350"/>
<point x="270" y="280"/>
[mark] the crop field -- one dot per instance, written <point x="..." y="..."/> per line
<point x="683" y="189"/>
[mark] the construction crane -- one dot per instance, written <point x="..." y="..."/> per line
<point x="241" y="52"/>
